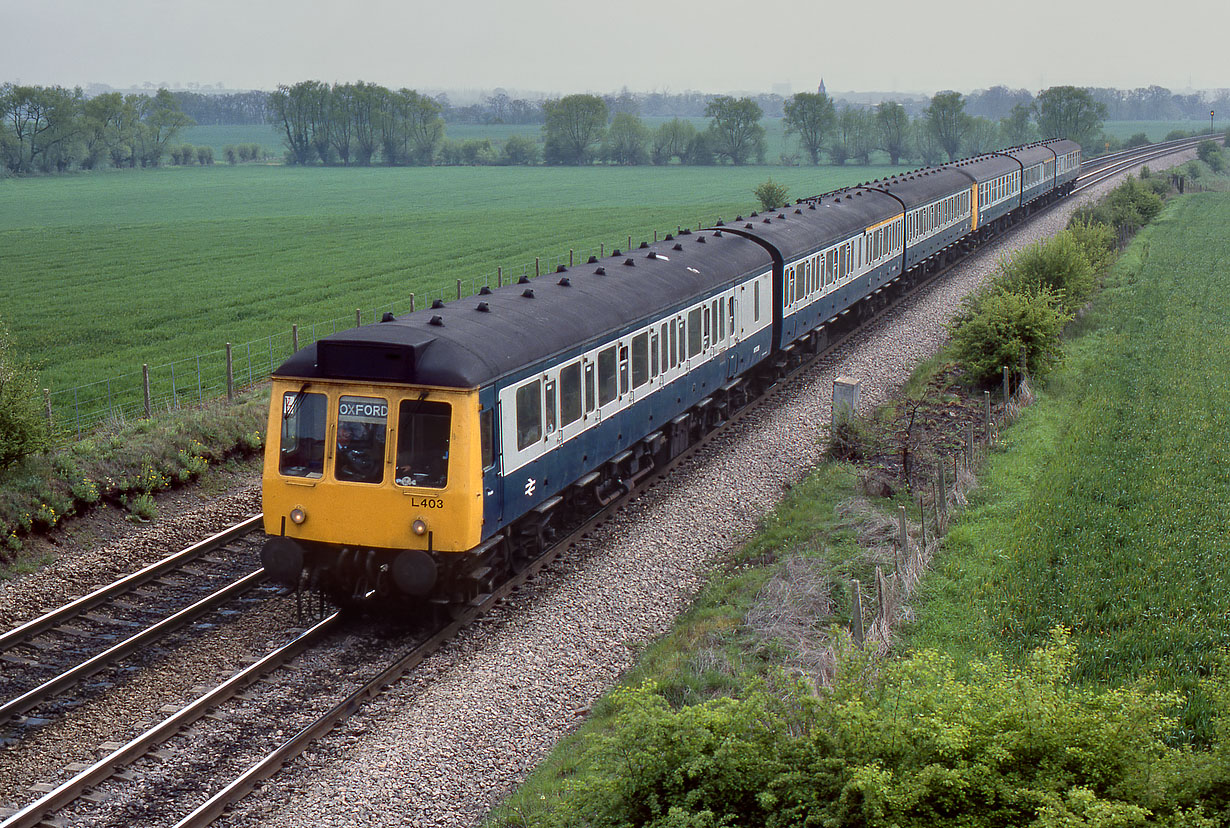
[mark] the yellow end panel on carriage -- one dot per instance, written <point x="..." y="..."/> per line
<point x="973" y="194"/>
<point x="363" y="463"/>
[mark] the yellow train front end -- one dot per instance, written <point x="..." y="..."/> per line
<point x="370" y="489"/>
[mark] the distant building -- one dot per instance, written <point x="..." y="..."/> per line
<point x="782" y="89"/>
<point x="821" y="88"/>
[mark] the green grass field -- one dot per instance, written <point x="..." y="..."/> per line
<point x="103" y="272"/>
<point x="1156" y="130"/>
<point x="1107" y="513"/>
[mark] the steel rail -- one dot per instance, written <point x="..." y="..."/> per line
<point x="55" y="686"/>
<point x="63" y="795"/>
<point x="52" y="619"/>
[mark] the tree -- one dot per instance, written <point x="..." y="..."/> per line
<point x="627" y="140"/>
<point x="574" y="126"/>
<point x="1017" y="128"/>
<point x="946" y="119"/>
<point x="671" y="140"/>
<point x="290" y="111"/>
<point x="1069" y="112"/>
<point x="102" y="118"/>
<point x="411" y="128"/>
<point x="41" y="122"/>
<point x="982" y="136"/>
<point x="893" y="129"/>
<point x="735" y="130"/>
<point x="859" y="128"/>
<point x="926" y="145"/>
<point x="162" y="121"/>
<point x="341" y="121"/>
<point x="369" y="101"/>
<point x="810" y="116"/>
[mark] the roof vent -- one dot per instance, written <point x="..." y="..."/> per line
<point x="615" y="252"/>
<point x="685" y="231"/>
<point x="811" y="207"/>
<point x="644" y="245"/>
<point x="524" y="280"/>
<point x="600" y="271"/>
<point x="629" y="262"/>
<point x="388" y="317"/>
<point x="669" y="237"/>
<point x="528" y="293"/>
<point x="561" y="269"/>
<point x="565" y="282"/>
<point x="437" y="321"/>
<point x="754" y="214"/>
<point x="717" y="234"/>
<point x="781" y="215"/>
<point x="765" y="221"/>
<point x="798" y="212"/>
<point x="677" y="246"/>
<point x="592" y="260"/>
<point x="484" y="291"/>
<point x="721" y="223"/>
<point x="700" y="239"/>
<point x="652" y="255"/>
<point x="739" y="218"/>
<point x="483" y="307"/>
<point x="436" y="305"/>
<point x="748" y="226"/>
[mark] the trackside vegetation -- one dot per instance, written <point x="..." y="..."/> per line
<point x="1068" y="664"/>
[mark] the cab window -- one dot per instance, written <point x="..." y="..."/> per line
<point x="362" y="423"/>
<point x="303" y="434"/>
<point x="422" y="443"/>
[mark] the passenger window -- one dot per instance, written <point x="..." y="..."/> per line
<point x="303" y="434"/>
<point x="362" y="424"/>
<point x="721" y="320"/>
<point x="486" y="427"/>
<point x="674" y="343"/>
<point x="422" y="443"/>
<point x="640" y="360"/>
<point x="695" y="338"/>
<point x="570" y="394"/>
<point x="665" y="340"/>
<point x="756" y="301"/>
<point x="623" y="369"/>
<point x="713" y="319"/>
<point x="653" y="354"/>
<point x="706" y="340"/>
<point x="607" y="384"/>
<point x="589" y="387"/>
<point x="731" y="301"/>
<point x="529" y="414"/>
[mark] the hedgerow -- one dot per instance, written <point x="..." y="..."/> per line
<point x="922" y="741"/>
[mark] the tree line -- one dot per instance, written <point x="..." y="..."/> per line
<point x="54" y="129"/>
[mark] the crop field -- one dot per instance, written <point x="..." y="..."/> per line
<point x="1155" y="130"/>
<point x="1107" y="513"/>
<point x="219" y="135"/>
<point x="103" y="272"/>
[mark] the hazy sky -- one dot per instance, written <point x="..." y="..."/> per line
<point x="561" y="47"/>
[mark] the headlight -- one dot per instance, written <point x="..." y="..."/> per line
<point x="297" y="516"/>
<point x="419" y="527"/>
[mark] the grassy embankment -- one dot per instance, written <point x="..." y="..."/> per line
<point x="1103" y="512"/>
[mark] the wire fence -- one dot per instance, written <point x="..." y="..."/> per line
<point x="76" y="412"/>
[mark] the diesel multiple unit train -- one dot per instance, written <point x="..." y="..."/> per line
<point x="427" y="455"/>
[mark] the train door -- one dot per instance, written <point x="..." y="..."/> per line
<point x="489" y="425"/>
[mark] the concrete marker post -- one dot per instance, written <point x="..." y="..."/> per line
<point x="145" y="388"/>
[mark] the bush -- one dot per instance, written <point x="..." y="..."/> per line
<point x="1137" y="140"/>
<point x="1059" y="266"/>
<point x="519" y="150"/>
<point x="1211" y="154"/>
<point x="1129" y="206"/>
<point x="1095" y="240"/>
<point x="770" y="194"/>
<point x="1176" y="135"/>
<point x="996" y="328"/>
<point x="231" y="153"/>
<point x="23" y="425"/>
<point x="205" y="156"/>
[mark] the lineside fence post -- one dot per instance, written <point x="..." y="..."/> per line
<point x="230" y="375"/>
<point x="47" y="404"/>
<point x="294" y="338"/>
<point x="145" y="388"/>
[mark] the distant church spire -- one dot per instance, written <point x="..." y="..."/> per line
<point x="821" y="89"/>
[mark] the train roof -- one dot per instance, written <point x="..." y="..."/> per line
<point x="474" y="341"/>
<point x="1062" y="146"/>
<point x="986" y="167"/>
<point x="1032" y="154"/>
<point x="798" y="230"/>
<point x="924" y="186"/>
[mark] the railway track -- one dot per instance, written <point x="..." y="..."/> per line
<point x="245" y="683"/>
<point x="1097" y="170"/>
<point x="63" y="648"/>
